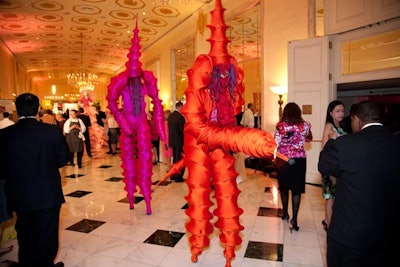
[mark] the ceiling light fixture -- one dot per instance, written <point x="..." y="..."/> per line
<point x="82" y="79"/>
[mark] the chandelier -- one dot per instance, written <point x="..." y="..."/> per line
<point x="82" y="79"/>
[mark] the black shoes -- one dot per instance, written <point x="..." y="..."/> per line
<point x="285" y="217"/>
<point x="293" y="226"/>
<point x="325" y="225"/>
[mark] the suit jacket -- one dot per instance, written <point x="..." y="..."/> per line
<point x="30" y="157"/>
<point x="366" y="165"/>
<point x="176" y="123"/>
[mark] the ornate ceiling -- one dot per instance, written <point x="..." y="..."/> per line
<point x="44" y="35"/>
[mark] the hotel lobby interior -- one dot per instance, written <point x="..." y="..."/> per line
<point x="294" y="46"/>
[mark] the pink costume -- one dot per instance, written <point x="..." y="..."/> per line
<point x="98" y="138"/>
<point x="135" y="141"/>
<point x="85" y="100"/>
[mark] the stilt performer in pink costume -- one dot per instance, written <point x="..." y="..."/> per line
<point x="135" y="140"/>
<point x="213" y="98"/>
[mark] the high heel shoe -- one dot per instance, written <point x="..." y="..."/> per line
<point x="285" y="217"/>
<point x="293" y="226"/>
<point x="325" y="225"/>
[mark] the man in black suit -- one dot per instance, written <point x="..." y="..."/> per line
<point x="176" y="123"/>
<point x="364" y="230"/>
<point x="86" y="120"/>
<point x="30" y="157"/>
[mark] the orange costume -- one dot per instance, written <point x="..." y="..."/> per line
<point x="213" y="98"/>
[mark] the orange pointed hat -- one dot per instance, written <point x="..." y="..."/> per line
<point x="218" y="40"/>
<point x="133" y="65"/>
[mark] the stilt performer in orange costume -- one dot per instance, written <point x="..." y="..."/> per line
<point x="135" y="141"/>
<point x="213" y="98"/>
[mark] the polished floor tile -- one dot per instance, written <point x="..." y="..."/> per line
<point x="269" y="212"/>
<point x="264" y="251"/>
<point x="114" y="179"/>
<point x="97" y="228"/>
<point x="164" y="238"/>
<point x="85" y="226"/>
<point x="78" y="193"/>
<point x="74" y="175"/>
<point x="136" y="200"/>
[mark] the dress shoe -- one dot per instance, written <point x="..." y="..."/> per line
<point x="285" y="217"/>
<point x="325" y="225"/>
<point x="293" y="226"/>
<point x="59" y="264"/>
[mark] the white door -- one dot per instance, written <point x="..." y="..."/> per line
<point x="310" y="87"/>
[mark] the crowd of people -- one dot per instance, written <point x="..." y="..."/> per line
<point x="359" y="173"/>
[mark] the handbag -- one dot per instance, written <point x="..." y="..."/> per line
<point x="280" y="163"/>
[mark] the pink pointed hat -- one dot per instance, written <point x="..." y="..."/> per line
<point x="133" y="65"/>
<point x="218" y="39"/>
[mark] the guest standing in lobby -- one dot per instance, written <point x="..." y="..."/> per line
<point x="74" y="129"/>
<point x="364" y="229"/>
<point x="176" y="123"/>
<point x="30" y="157"/>
<point x="248" y="117"/>
<point x="291" y="134"/>
<point x="86" y="120"/>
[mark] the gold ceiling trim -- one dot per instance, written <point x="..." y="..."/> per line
<point x="166" y="11"/>
<point x="47" y="6"/>
<point x="155" y="22"/>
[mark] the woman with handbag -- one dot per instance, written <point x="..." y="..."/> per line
<point x="291" y="134"/>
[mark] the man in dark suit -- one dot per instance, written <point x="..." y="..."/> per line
<point x="86" y="120"/>
<point x="30" y="157"/>
<point x="364" y="230"/>
<point x="176" y="122"/>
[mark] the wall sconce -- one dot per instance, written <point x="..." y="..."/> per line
<point x="53" y="89"/>
<point x="280" y="91"/>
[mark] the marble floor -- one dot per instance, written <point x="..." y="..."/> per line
<point x="97" y="228"/>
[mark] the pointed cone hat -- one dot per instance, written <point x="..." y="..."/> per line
<point x="133" y="65"/>
<point x="218" y="39"/>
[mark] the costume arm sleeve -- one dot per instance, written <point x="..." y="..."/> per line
<point x="150" y="82"/>
<point x="115" y="88"/>
<point x="250" y="141"/>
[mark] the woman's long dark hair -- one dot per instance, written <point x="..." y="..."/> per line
<point x="291" y="113"/>
<point x="331" y="107"/>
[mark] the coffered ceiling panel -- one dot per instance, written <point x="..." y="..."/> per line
<point x="45" y="35"/>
